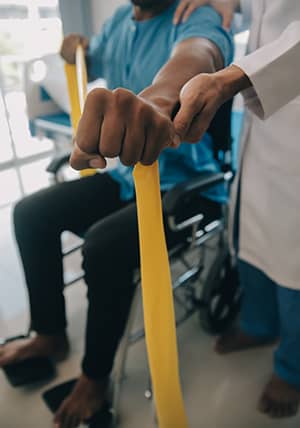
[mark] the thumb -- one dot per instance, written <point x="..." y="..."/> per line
<point x="183" y="121"/>
<point x="190" y="107"/>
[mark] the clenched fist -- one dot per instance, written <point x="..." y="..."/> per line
<point x="120" y="124"/>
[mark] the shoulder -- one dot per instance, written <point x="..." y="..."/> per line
<point x="204" y="14"/>
<point x="206" y="23"/>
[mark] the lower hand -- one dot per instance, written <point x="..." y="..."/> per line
<point x="120" y="124"/>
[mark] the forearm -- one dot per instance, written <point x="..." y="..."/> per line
<point x="192" y="57"/>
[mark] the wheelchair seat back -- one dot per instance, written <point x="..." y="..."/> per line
<point x="221" y="133"/>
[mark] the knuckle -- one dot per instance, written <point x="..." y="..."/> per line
<point x="97" y="96"/>
<point x="85" y="143"/>
<point x="193" y="99"/>
<point x="122" y="97"/>
<point x="143" y="109"/>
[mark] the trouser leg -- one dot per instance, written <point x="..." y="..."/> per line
<point x="39" y="221"/>
<point x="111" y="255"/>
<point x="259" y="311"/>
<point x="287" y="356"/>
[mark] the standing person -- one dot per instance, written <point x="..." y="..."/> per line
<point x="266" y="201"/>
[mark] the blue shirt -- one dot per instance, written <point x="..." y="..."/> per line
<point x="129" y="54"/>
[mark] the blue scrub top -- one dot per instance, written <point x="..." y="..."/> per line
<point x="129" y="54"/>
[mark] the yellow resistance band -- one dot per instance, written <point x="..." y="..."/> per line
<point x="158" y="300"/>
<point x="156" y="279"/>
<point x="77" y="89"/>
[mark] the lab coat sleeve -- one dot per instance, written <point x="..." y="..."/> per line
<point x="274" y="73"/>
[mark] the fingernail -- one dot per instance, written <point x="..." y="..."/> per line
<point x="96" y="163"/>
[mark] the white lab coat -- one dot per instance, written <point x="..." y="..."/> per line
<point x="269" y="174"/>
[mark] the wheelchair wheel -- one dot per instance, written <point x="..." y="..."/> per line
<point x="221" y="301"/>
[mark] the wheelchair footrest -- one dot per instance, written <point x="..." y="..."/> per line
<point x="29" y="371"/>
<point x="55" y="396"/>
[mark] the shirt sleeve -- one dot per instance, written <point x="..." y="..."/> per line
<point x="206" y="23"/>
<point x="274" y="73"/>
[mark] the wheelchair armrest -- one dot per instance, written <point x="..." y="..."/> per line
<point x="175" y="197"/>
<point x="57" y="163"/>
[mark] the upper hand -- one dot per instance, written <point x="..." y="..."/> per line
<point x="119" y="123"/>
<point x="69" y="46"/>
<point x="224" y="7"/>
<point x="200" y="99"/>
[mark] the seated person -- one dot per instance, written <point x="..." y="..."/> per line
<point x="138" y="49"/>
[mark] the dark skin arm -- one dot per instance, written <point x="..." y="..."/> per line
<point x="138" y="128"/>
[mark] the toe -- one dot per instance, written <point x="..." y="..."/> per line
<point x="276" y="410"/>
<point x="264" y="404"/>
<point x="59" y="417"/>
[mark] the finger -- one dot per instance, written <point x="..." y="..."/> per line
<point x="75" y="421"/>
<point x="191" y="8"/>
<point x="185" y="117"/>
<point x="227" y="19"/>
<point x="59" y="418"/>
<point x="133" y="146"/>
<point x="85" y="43"/>
<point x="89" y="127"/>
<point x="180" y="11"/>
<point x="199" y="125"/>
<point x="157" y="139"/>
<point x="80" y="160"/>
<point x="112" y="135"/>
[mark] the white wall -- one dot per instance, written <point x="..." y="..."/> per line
<point x="101" y="10"/>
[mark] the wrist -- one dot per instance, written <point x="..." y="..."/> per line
<point x="162" y="103"/>
<point x="232" y="80"/>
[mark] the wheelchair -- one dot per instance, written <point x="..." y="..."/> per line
<point x="205" y="281"/>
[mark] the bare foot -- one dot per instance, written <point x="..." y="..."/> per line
<point x="236" y="340"/>
<point x="86" y="399"/>
<point x="279" y="399"/>
<point x="36" y="346"/>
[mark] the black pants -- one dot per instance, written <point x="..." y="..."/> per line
<point x="92" y="208"/>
